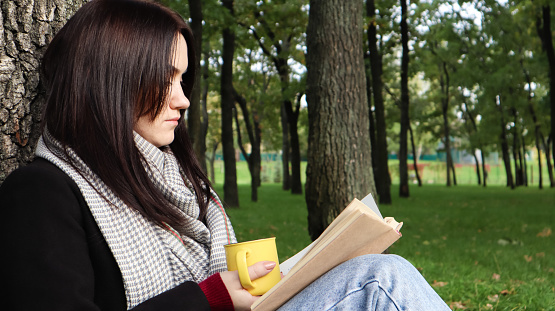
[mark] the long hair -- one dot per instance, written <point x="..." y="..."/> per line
<point x="109" y="65"/>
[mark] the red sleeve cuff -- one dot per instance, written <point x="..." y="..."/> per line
<point x="215" y="291"/>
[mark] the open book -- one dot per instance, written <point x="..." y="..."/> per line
<point x="360" y="229"/>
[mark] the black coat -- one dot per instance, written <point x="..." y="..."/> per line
<point x="54" y="256"/>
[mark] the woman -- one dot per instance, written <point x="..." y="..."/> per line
<point x="115" y="212"/>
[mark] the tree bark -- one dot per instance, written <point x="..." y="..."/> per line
<point x="194" y="112"/>
<point x="547" y="43"/>
<point x="338" y="168"/>
<point x="231" y="195"/>
<point x="285" y="150"/>
<point x="444" y="84"/>
<point x="254" y="133"/>
<point x="477" y="167"/>
<point x="505" y="146"/>
<point x="516" y="150"/>
<point x="544" y="32"/>
<point x="26" y="28"/>
<point x="404" y="106"/>
<point x="380" y="165"/>
<point x="415" y="158"/>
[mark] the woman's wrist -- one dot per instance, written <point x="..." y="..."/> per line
<point x="216" y="293"/>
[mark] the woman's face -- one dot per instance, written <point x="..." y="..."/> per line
<point x="160" y="131"/>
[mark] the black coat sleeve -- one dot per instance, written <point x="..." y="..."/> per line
<point x="54" y="256"/>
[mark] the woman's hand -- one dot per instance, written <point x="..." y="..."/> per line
<point x="242" y="299"/>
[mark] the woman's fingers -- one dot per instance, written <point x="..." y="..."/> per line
<point x="260" y="269"/>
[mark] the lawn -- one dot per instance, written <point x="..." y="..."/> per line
<point x="481" y="249"/>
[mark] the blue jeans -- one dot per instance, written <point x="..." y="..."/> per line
<point x="369" y="282"/>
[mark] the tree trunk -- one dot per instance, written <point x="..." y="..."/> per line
<point x="338" y="159"/>
<point x="404" y="105"/>
<point x="372" y="129"/>
<point x="523" y="163"/>
<point x="26" y="28"/>
<point x="547" y="157"/>
<point x="254" y="137"/>
<point x="231" y="195"/>
<point x="194" y="112"/>
<point x="444" y="84"/>
<point x="537" y="129"/>
<point x="285" y="147"/>
<point x="480" y="147"/>
<point x="415" y="158"/>
<point x="292" y="117"/>
<point x="379" y="150"/>
<point x="546" y="36"/>
<point x="477" y="168"/>
<point x="505" y="146"/>
<point x="452" y="166"/>
<point x="212" y="160"/>
<point x="484" y="170"/>
<point x="539" y="161"/>
<point x="517" y="156"/>
<point x="204" y="99"/>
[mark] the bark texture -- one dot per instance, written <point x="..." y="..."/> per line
<point x="339" y="162"/>
<point x="404" y="106"/>
<point x="231" y="196"/>
<point x="379" y="149"/>
<point x="26" y="28"/>
<point x="197" y="121"/>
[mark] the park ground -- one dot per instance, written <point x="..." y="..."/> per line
<point x="480" y="248"/>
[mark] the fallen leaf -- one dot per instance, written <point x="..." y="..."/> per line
<point x="488" y="307"/>
<point x="545" y="233"/>
<point x="493" y="298"/>
<point x="527" y="258"/>
<point x="496" y="276"/>
<point x="551" y="270"/>
<point x="506" y="292"/>
<point x="457" y="305"/>
<point x="439" y="284"/>
<point x="540" y="255"/>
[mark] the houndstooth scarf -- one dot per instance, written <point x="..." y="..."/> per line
<point x="152" y="259"/>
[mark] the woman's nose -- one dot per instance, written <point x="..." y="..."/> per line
<point x="179" y="100"/>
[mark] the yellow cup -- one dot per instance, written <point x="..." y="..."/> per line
<point x="242" y="255"/>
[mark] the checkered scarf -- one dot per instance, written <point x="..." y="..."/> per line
<point x="152" y="259"/>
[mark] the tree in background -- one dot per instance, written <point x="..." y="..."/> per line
<point x="231" y="195"/>
<point x="26" y="28"/>
<point x="197" y="120"/>
<point x="339" y="163"/>
<point x="404" y="105"/>
<point x="377" y="116"/>
<point x="278" y="27"/>
<point x="543" y="25"/>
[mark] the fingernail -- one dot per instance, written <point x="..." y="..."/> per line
<point x="269" y="265"/>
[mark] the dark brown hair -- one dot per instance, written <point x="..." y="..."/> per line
<point x="110" y="64"/>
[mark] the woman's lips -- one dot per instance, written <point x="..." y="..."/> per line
<point x="174" y="121"/>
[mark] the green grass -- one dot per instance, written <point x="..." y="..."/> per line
<point x="483" y="249"/>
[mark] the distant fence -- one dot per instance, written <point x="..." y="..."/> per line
<point x="436" y="173"/>
<point x="431" y="172"/>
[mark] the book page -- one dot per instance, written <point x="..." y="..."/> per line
<point x="368" y="200"/>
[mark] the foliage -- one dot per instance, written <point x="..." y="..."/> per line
<point x="490" y="50"/>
